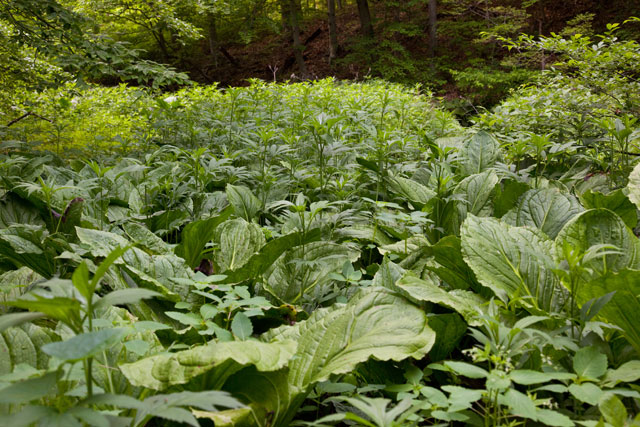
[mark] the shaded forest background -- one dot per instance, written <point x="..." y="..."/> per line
<point x="454" y="48"/>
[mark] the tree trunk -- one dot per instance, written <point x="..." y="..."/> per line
<point x="433" y="33"/>
<point x="284" y="13"/>
<point x="213" y="40"/>
<point x="340" y="4"/>
<point x="365" y="18"/>
<point x="295" y="30"/>
<point x="333" y="30"/>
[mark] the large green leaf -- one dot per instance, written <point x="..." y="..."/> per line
<point x="259" y="263"/>
<point x="634" y="186"/>
<point x="303" y="268"/>
<point x="615" y="201"/>
<point x="14" y="283"/>
<point x="100" y="243"/>
<point x="23" y="344"/>
<point x="466" y="303"/>
<point x="218" y="360"/>
<point x="507" y="195"/>
<point x="623" y="310"/>
<point x="84" y="345"/>
<point x="477" y="190"/>
<point x="513" y="262"/>
<point x="157" y="272"/>
<point x="479" y="154"/>
<point x="375" y="323"/>
<point x="238" y="240"/>
<point x="142" y="236"/>
<point x="15" y="210"/>
<point x="545" y="209"/>
<point x="453" y="270"/>
<point x="601" y="227"/>
<point x="449" y="329"/>
<point x="245" y="204"/>
<point x="411" y="190"/>
<point x="30" y="246"/>
<point x="196" y="235"/>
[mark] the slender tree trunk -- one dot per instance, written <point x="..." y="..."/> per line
<point x="340" y="4"/>
<point x="213" y="39"/>
<point x="433" y="33"/>
<point x="365" y="18"/>
<point x="297" y="44"/>
<point x="162" y="44"/>
<point x="285" y="15"/>
<point x="333" y="30"/>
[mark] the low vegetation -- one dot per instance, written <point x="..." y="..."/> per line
<point x="325" y="253"/>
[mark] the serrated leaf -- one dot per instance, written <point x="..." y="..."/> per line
<point x="467" y="369"/>
<point x="241" y="326"/>
<point x="84" y="345"/>
<point x="28" y="390"/>
<point x="126" y="296"/>
<point x="589" y="363"/>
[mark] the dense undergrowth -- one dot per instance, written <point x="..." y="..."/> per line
<point x="319" y="253"/>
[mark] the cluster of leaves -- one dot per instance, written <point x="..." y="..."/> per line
<point x="587" y="98"/>
<point x="315" y="254"/>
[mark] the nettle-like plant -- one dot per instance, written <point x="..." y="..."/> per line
<point x="80" y="383"/>
<point x="321" y="253"/>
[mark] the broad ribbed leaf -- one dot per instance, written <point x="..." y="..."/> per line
<point x="269" y="253"/>
<point x="301" y="269"/>
<point x="100" y="243"/>
<point x="245" y="204"/>
<point x="547" y="209"/>
<point x="615" y="201"/>
<point x="623" y="310"/>
<point x="477" y="189"/>
<point x="23" y="344"/>
<point x="219" y="360"/>
<point x="513" y="262"/>
<point x="142" y="236"/>
<point x="467" y="303"/>
<point x="411" y="190"/>
<point x="196" y="235"/>
<point x="15" y="210"/>
<point x="601" y="227"/>
<point x="238" y="240"/>
<point x="634" y="186"/>
<point x="22" y="246"/>
<point x="374" y="323"/>
<point x="453" y="270"/>
<point x="479" y="154"/>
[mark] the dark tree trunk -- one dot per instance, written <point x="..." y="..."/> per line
<point x="285" y="15"/>
<point x="297" y="44"/>
<point x="365" y="18"/>
<point x="433" y="33"/>
<point x="333" y="30"/>
<point x="213" y="40"/>
<point x="340" y="4"/>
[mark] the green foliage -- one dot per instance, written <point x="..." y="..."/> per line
<point x="312" y="254"/>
